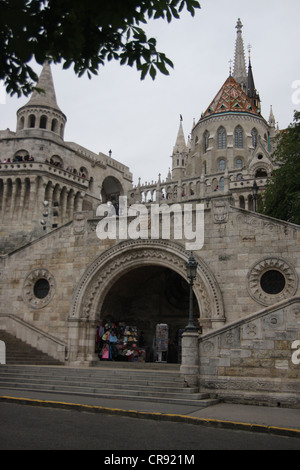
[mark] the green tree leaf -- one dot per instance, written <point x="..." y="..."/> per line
<point x="282" y="196"/>
<point x="83" y="34"/>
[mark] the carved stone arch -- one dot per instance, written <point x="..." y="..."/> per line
<point x="260" y="165"/>
<point x="111" y="189"/>
<point x="21" y="155"/>
<point x="101" y="275"/>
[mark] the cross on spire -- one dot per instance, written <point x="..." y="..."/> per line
<point x="249" y="50"/>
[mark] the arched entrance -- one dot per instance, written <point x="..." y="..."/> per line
<point x="111" y="190"/>
<point x="147" y="296"/>
<point x="144" y="262"/>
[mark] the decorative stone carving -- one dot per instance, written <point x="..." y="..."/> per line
<point x="79" y="223"/>
<point x="256" y="273"/>
<point x="30" y="283"/>
<point x="107" y="268"/>
<point x="220" y="212"/>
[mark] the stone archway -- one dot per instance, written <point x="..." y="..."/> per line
<point x="110" y="266"/>
<point x="111" y="189"/>
<point x="145" y="297"/>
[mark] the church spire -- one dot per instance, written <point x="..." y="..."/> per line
<point x="271" y="118"/>
<point x="42" y="111"/>
<point x="180" y="145"/>
<point x="48" y="96"/>
<point x="180" y="152"/>
<point x="251" y="90"/>
<point x="239" y="69"/>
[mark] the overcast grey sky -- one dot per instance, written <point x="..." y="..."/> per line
<point x="139" y="120"/>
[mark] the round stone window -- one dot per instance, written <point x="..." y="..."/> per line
<point x="39" y="288"/>
<point x="272" y="282"/>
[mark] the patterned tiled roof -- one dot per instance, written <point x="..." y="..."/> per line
<point x="231" y="98"/>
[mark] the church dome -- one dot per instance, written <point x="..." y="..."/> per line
<point x="231" y="99"/>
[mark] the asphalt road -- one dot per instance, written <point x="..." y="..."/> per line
<point x="25" y="427"/>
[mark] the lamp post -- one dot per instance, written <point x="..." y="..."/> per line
<point x="189" y="368"/>
<point x="191" y="268"/>
<point x="255" y="192"/>
<point x="48" y="213"/>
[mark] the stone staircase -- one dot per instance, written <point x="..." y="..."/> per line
<point x="31" y="370"/>
<point x="18" y="352"/>
<point x="143" y="384"/>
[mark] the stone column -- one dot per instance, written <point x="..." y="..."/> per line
<point x="202" y="187"/>
<point x="76" y="341"/>
<point x="70" y="205"/>
<point x="226" y="181"/>
<point x="63" y="206"/>
<point x="33" y="206"/>
<point x="5" y="198"/>
<point x="158" y="191"/>
<point x="179" y="191"/>
<point x="189" y="368"/>
<point x="21" y="199"/>
<point x="13" y="200"/>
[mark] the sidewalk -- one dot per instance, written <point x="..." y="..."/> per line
<point x="281" y="421"/>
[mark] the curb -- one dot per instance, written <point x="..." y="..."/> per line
<point x="238" y="426"/>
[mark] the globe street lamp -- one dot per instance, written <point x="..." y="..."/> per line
<point x="191" y="268"/>
<point x="48" y="213"/>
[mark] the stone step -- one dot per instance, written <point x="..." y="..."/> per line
<point x="199" y="400"/>
<point x="136" y="365"/>
<point x="97" y="382"/>
<point x="104" y="392"/>
<point x="143" y="385"/>
<point x="18" y="352"/>
<point x="94" y="384"/>
<point x="109" y="378"/>
<point x="101" y="374"/>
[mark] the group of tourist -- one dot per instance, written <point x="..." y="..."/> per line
<point x="18" y="158"/>
<point x="69" y="168"/>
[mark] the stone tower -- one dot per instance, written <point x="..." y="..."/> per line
<point x="180" y="152"/>
<point x="42" y="111"/>
<point x="44" y="180"/>
<point x="230" y="147"/>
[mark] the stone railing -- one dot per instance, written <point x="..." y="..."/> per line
<point x="34" y="337"/>
<point x="188" y="189"/>
<point x="2" y="352"/>
<point x="254" y="359"/>
<point x="248" y="183"/>
<point x="34" y="167"/>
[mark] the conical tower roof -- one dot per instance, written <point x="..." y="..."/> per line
<point x="231" y="98"/>
<point x="42" y="112"/>
<point x="251" y="90"/>
<point x="48" y="96"/>
<point x="180" y="145"/>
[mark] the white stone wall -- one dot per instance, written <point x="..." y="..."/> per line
<point x="239" y="247"/>
<point x="254" y="359"/>
<point x="2" y="352"/>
